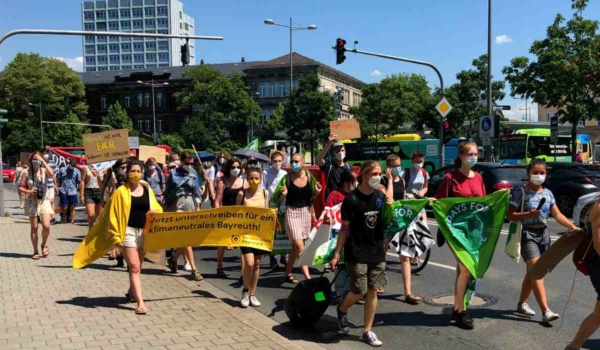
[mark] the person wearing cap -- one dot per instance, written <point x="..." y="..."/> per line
<point x="334" y="167"/>
<point x="69" y="179"/>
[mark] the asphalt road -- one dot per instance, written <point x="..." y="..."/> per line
<point x="400" y="325"/>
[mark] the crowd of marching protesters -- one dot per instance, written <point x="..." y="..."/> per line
<point x="127" y="191"/>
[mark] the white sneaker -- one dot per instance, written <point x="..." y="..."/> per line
<point x="245" y="301"/>
<point x="254" y="302"/>
<point x="524" y="309"/>
<point x="371" y="339"/>
<point x="549" y="316"/>
<point x="187" y="267"/>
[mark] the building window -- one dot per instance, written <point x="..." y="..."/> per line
<point x="101" y="38"/>
<point x="88" y="15"/>
<point x="150" y="58"/>
<point x="102" y="69"/>
<point x="114" y="48"/>
<point x="150" y="23"/>
<point x="262" y="90"/>
<point x="138" y="24"/>
<point x="101" y="59"/>
<point x="126" y="67"/>
<point x="114" y="26"/>
<point x="139" y="99"/>
<point x="147" y="99"/>
<point x="113" y="14"/>
<point x="126" y="59"/>
<point x="126" y="47"/>
<point x="159" y="96"/>
<point x="163" y="57"/>
<point x="90" y="49"/>
<point x="127" y="101"/>
<point x="138" y="47"/>
<point x="89" y="26"/>
<point x="113" y="3"/>
<point x="101" y="27"/>
<point x="125" y="25"/>
<point x="114" y="38"/>
<point x="162" y="11"/>
<point x="163" y="45"/>
<point x="187" y="27"/>
<point x="163" y="31"/>
<point x="90" y="39"/>
<point x="147" y="125"/>
<point x="282" y="89"/>
<point x="115" y="67"/>
<point x="162" y="23"/>
<point x="100" y="15"/>
<point x="126" y="13"/>
<point x="159" y="125"/>
<point x="149" y="12"/>
<point x="140" y="125"/>
<point x="91" y="60"/>
<point x="114" y="59"/>
<point x="149" y="2"/>
<point x="101" y="48"/>
<point x="103" y="102"/>
<point x="138" y="58"/>
<point x="150" y="46"/>
<point x="137" y="13"/>
<point x="272" y="90"/>
<point x="90" y="69"/>
<point x="125" y="3"/>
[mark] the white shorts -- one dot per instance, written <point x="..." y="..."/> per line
<point x="134" y="238"/>
<point x="50" y="194"/>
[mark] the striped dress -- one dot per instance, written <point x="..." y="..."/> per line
<point x="298" y="217"/>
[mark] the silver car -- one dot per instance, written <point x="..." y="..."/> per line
<point x="582" y="208"/>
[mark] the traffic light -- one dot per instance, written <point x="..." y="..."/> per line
<point x="185" y="53"/>
<point x="340" y="49"/>
<point x="447" y="133"/>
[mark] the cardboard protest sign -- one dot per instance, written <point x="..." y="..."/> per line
<point x="153" y="152"/>
<point x="348" y="129"/>
<point x="108" y="145"/>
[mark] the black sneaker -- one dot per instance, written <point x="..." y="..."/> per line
<point x="172" y="264"/>
<point x="273" y="263"/>
<point x="120" y="261"/>
<point x="463" y="320"/>
<point x="343" y="321"/>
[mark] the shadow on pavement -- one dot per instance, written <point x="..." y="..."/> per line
<point x="325" y="331"/>
<point x="112" y="302"/>
<point x="209" y="295"/>
<point x="591" y="344"/>
<point x="15" y="255"/>
<point x="75" y="240"/>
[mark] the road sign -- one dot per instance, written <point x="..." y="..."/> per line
<point x="487" y="141"/>
<point x="486" y="126"/>
<point x="554" y="129"/>
<point x="134" y="142"/>
<point x="502" y="108"/>
<point x="444" y="107"/>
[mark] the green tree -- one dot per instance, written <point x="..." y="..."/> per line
<point x="274" y="124"/>
<point x="222" y="104"/>
<point x="30" y="78"/>
<point x="65" y="134"/>
<point x="387" y="105"/>
<point x="567" y="70"/>
<point x="308" y="111"/>
<point x="117" y="118"/>
<point x="175" y="141"/>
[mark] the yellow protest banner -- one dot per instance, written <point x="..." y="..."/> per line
<point x="107" y="145"/>
<point x="222" y="227"/>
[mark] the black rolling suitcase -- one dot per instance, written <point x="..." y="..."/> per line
<point x="309" y="300"/>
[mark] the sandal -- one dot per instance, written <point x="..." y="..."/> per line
<point x="291" y="279"/>
<point x="381" y="291"/>
<point x="35" y="256"/>
<point x="140" y="311"/>
<point x="412" y="299"/>
<point x="45" y="251"/>
<point x="221" y="273"/>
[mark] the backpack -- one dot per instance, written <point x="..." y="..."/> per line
<point x="585" y="253"/>
<point x="407" y="175"/>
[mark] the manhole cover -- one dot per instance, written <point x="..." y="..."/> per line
<point x="447" y="300"/>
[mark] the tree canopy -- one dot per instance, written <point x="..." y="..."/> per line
<point x="117" y="118"/>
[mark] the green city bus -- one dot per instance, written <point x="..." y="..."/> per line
<point x="401" y="144"/>
<point x="527" y="144"/>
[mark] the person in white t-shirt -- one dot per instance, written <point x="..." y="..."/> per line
<point x="270" y="179"/>
<point x="213" y="173"/>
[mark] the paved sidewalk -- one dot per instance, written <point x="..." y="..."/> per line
<point x="46" y="304"/>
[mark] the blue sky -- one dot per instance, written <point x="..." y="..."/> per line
<point x="448" y="33"/>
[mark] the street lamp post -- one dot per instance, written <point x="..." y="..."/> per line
<point x="154" y="134"/>
<point x="41" y="122"/>
<point x="291" y="27"/>
<point x="488" y="149"/>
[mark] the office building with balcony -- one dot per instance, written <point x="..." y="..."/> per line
<point x="114" y="53"/>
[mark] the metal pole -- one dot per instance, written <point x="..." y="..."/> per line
<point x="291" y="61"/>
<point x="442" y="91"/>
<point x="81" y="32"/>
<point x="488" y="149"/>
<point x="80" y="124"/>
<point x="154" y="135"/>
<point x="1" y="185"/>
<point x="41" y="125"/>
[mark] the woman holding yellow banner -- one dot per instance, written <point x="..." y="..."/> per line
<point x="255" y="197"/>
<point x="136" y="199"/>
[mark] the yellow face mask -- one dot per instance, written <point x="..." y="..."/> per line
<point x="135" y="177"/>
<point x="254" y="183"/>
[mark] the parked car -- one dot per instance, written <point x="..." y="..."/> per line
<point x="8" y="173"/>
<point x="582" y="209"/>
<point x="571" y="181"/>
<point x="495" y="176"/>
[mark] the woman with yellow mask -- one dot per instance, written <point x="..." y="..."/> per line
<point x="255" y="197"/>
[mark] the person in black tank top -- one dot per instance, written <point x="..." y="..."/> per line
<point x="228" y="188"/>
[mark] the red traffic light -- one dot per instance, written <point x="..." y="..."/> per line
<point x="446" y="126"/>
<point x="341" y="43"/>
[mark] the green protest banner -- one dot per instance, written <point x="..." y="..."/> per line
<point x="471" y="227"/>
<point x="406" y="211"/>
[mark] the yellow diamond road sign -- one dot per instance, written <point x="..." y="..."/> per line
<point x="444" y="107"/>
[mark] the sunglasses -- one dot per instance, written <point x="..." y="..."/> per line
<point x="190" y="164"/>
<point x="123" y="168"/>
<point x="172" y="167"/>
<point x="235" y="167"/>
<point x="295" y="162"/>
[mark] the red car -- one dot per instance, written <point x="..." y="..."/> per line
<point x="8" y="173"/>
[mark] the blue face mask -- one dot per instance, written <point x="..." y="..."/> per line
<point x="397" y="171"/>
<point x="296" y="167"/>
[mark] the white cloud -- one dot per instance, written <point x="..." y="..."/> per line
<point x="74" y="63"/>
<point x="376" y="73"/>
<point x="503" y="39"/>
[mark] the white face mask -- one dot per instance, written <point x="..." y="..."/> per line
<point x="418" y="165"/>
<point x="537" y="179"/>
<point x="340" y="156"/>
<point x="177" y="162"/>
<point x="186" y="167"/>
<point x="470" y="161"/>
<point x="235" y="172"/>
<point x="277" y="166"/>
<point x="221" y="160"/>
<point x="152" y="167"/>
<point x="374" y="182"/>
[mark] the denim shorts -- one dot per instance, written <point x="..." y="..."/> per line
<point x="134" y="238"/>
<point x="534" y="242"/>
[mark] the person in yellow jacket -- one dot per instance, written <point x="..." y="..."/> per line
<point x="121" y="223"/>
